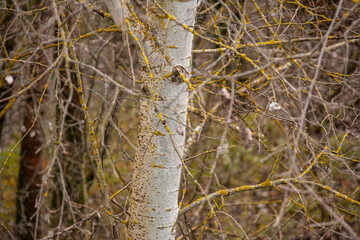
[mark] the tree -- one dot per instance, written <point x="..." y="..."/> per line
<point x="165" y="72"/>
<point x="29" y="179"/>
<point x="245" y="116"/>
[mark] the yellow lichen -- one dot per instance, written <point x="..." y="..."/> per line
<point x="267" y="183"/>
<point x="157" y="133"/>
<point x="223" y="192"/>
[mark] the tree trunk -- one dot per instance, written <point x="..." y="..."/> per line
<point x="29" y="173"/>
<point x="161" y="131"/>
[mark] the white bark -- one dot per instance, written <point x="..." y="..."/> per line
<point x="156" y="179"/>
<point x="164" y="52"/>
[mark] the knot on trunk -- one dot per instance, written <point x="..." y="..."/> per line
<point x="177" y="74"/>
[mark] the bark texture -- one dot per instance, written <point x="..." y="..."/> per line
<point x="165" y="55"/>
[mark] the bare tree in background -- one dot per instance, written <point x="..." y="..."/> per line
<point x="204" y="119"/>
<point x="29" y="179"/>
<point x="72" y="181"/>
<point x="7" y="80"/>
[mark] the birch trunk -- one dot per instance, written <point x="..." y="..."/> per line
<point x="165" y="53"/>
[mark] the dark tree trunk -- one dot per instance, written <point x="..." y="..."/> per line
<point x="29" y="174"/>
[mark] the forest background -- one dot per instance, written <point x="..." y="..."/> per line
<point x="271" y="132"/>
